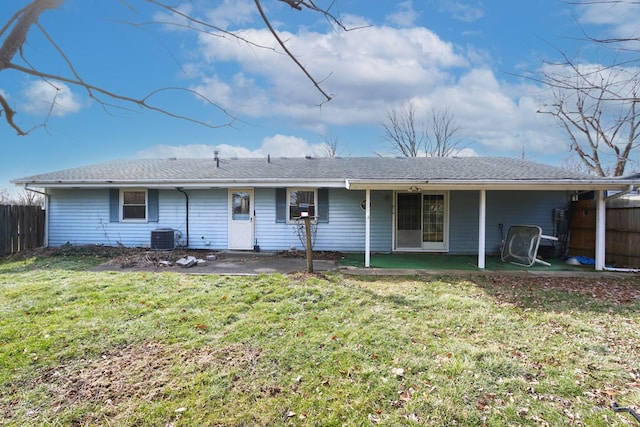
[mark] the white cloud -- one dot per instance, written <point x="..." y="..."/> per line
<point x="405" y="16"/>
<point x="227" y="14"/>
<point x="462" y="11"/>
<point x="44" y="97"/>
<point x="370" y="69"/>
<point x="620" y="17"/>
<point x="276" y="145"/>
<point x="231" y="13"/>
<point x="365" y="69"/>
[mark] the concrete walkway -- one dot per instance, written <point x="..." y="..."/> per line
<point x="254" y="263"/>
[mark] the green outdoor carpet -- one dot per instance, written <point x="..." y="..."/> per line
<point x="424" y="261"/>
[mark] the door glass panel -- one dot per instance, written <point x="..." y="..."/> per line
<point x="433" y="218"/>
<point x="408" y="231"/>
<point x="241" y="206"/>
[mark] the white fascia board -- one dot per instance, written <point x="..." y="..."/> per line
<point x="578" y="185"/>
<point x="191" y="184"/>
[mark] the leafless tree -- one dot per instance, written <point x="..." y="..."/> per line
<point x="439" y="136"/>
<point x="603" y="126"/>
<point x="597" y="105"/>
<point x="5" y="199"/>
<point x="444" y="139"/>
<point x="402" y="130"/>
<point x="30" y="198"/>
<point x="13" y="43"/>
<point x="331" y="147"/>
<point x="24" y="198"/>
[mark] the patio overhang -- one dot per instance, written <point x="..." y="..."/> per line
<point x="598" y="186"/>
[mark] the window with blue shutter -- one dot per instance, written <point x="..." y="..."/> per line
<point x="133" y="205"/>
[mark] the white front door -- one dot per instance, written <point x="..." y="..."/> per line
<point x="241" y="219"/>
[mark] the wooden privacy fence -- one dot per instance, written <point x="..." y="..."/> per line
<point x="21" y="228"/>
<point x="623" y="231"/>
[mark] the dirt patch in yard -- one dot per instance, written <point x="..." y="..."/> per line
<point x="141" y="372"/>
<point x="143" y="259"/>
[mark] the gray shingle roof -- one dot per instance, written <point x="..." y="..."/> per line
<point x="313" y="168"/>
<point x="296" y="170"/>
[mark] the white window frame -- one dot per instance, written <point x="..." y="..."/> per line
<point x="146" y="205"/>
<point x="315" y="202"/>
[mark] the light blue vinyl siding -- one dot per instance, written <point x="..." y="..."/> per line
<point x="503" y="207"/>
<point x="81" y="216"/>
<point x="345" y="230"/>
<point x="208" y="218"/>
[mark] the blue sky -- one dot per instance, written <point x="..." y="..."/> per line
<point x="462" y="55"/>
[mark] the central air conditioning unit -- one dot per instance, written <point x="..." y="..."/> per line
<point x="163" y="239"/>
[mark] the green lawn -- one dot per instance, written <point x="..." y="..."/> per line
<point x="167" y="349"/>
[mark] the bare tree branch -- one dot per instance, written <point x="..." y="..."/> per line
<point x="15" y="30"/>
<point x="446" y="131"/>
<point x="287" y="51"/>
<point x="596" y="105"/>
<point x="439" y="136"/>
<point x="400" y="129"/>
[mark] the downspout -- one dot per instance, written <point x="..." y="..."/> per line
<point x="46" y="213"/>
<point x="186" y="196"/>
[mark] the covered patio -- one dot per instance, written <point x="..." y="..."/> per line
<point x="446" y="263"/>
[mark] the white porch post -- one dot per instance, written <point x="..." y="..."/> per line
<point x="482" y="227"/>
<point x="601" y="229"/>
<point x="367" y="229"/>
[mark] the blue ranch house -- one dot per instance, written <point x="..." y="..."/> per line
<point x="358" y="204"/>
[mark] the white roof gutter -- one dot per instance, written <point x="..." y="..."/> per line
<point x="172" y="184"/>
<point x="448" y="184"/>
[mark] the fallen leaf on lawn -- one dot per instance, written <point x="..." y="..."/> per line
<point x="398" y="372"/>
<point x="406" y="395"/>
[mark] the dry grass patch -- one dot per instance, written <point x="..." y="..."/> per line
<point x="119" y="380"/>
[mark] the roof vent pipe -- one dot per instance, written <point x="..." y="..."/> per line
<point x="268" y="158"/>
<point x="216" y="158"/>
